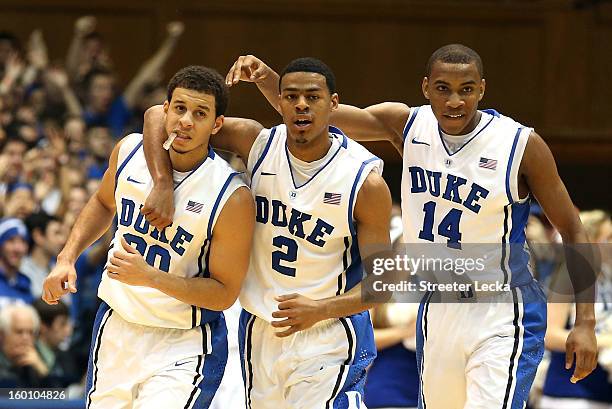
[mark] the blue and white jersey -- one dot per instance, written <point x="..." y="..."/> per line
<point x="181" y="249"/>
<point x="469" y="196"/>
<point x="305" y="239"/>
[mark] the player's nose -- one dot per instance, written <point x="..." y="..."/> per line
<point x="455" y="101"/>
<point x="186" y="121"/>
<point x="301" y="103"/>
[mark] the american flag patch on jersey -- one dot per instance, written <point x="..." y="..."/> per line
<point x="194" y="206"/>
<point x="487" y="163"/>
<point x="332" y="198"/>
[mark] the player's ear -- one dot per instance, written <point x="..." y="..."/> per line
<point x="335" y="101"/>
<point x="218" y="124"/>
<point x="482" y="88"/>
<point x="166" y="105"/>
<point x="424" y="86"/>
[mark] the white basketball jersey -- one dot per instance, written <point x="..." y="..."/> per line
<point x="470" y="196"/>
<point x="180" y="249"/>
<point x="305" y="239"/>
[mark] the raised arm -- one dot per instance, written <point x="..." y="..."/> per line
<point x="372" y="213"/>
<point x="95" y="218"/>
<point x="539" y="171"/>
<point x="237" y="135"/>
<point x="381" y="122"/>
<point x="153" y="65"/>
<point x="228" y="261"/>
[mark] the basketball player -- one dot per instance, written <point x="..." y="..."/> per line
<point x="305" y="334"/>
<point x="159" y="337"/>
<point x="467" y="177"/>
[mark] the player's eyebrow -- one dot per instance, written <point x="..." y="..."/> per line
<point x="294" y="89"/>
<point x="470" y="82"/>
<point x="204" y="107"/>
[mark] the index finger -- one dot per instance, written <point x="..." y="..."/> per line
<point x="238" y="70"/>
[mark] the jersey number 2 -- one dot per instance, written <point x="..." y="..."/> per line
<point x="288" y="253"/>
<point x="448" y="227"/>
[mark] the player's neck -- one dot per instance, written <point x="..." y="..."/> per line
<point x="310" y="151"/>
<point x="184" y="162"/>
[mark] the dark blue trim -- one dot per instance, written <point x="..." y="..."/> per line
<point x="98" y="329"/>
<point x="514" y="349"/>
<point x="338" y="131"/>
<point x="409" y="124"/>
<point x="509" y="168"/>
<point x="354" y="272"/>
<point x="352" y="196"/>
<point x="125" y="162"/>
<point x="347" y="246"/>
<point x="465" y="144"/>
<point x="264" y="153"/>
<point x="211" y="155"/>
<point x="313" y="176"/>
<point x="492" y="112"/>
<point x="211" y="218"/>
<point x="504" y="248"/>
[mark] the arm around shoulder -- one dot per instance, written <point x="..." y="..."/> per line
<point x="237" y="135"/>
<point x="380" y="122"/>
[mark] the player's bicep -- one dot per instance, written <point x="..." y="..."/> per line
<point x="237" y="135"/>
<point x="372" y="214"/>
<point x="381" y="122"/>
<point x="545" y="184"/>
<point x="232" y="239"/>
<point x="106" y="190"/>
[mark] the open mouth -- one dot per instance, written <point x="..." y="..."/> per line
<point x="454" y="116"/>
<point x="302" y="123"/>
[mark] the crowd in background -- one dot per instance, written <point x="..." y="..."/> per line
<point x="60" y="116"/>
<point x="59" y="119"/>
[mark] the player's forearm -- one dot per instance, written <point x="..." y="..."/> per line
<point x="349" y="303"/>
<point x="202" y="292"/>
<point x="582" y="266"/>
<point x="154" y="135"/>
<point x="94" y="220"/>
<point x="269" y="88"/>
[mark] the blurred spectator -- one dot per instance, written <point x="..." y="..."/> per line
<point x="87" y="50"/>
<point x="393" y="379"/>
<point x="20" y="363"/>
<point x="9" y="45"/>
<point x="103" y="107"/>
<point x="595" y="391"/>
<point x="55" y="329"/>
<point x="19" y="201"/>
<point x="14" y="286"/>
<point x="73" y="204"/>
<point x="100" y="143"/>
<point x="47" y="237"/>
<point x="11" y="164"/>
<point x="89" y="267"/>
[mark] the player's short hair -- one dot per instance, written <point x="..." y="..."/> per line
<point x="309" y="64"/>
<point x="201" y="79"/>
<point x="455" y="54"/>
